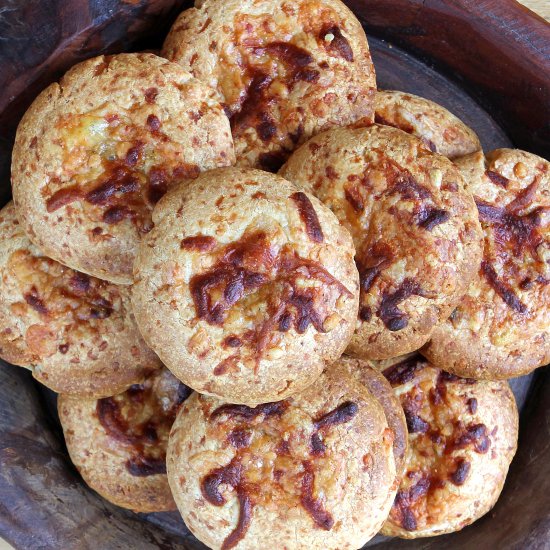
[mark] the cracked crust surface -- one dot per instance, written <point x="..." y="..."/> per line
<point x="441" y="131"/>
<point x="95" y="152"/>
<point x="462" y="437"/>
<point x="76" y="333"/>
<point x="245" y="286"/>
<point x="313" y="472"/>
<point x="118" y="444"/>
<point x="415" y="229"/>
<point x="370" y="376"/>
<point x="501" y="329"/>
<point x="284" y="70"/>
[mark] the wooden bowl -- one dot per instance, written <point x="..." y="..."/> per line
<point x="488" y="61"/>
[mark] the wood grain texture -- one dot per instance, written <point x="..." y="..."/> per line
<point x="43" y="502"/>
<point x="498" y="49"/>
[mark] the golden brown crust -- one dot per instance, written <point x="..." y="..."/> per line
<point x="462" y="438"/>
<point x="94" y="153"/>
<point x="440" y="130"/>
<point x="414" y="226"/>
<point x="76" y="333"/>
<point x="313" y="472"/>
<point x="284" y="70"/>
<point x="370" y="376"/>
<point x="118" y="444"/>
<point x="501" y="329"/>
<point x="245" y="285"/>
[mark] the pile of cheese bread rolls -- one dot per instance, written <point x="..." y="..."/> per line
<point x="269" y="294"/>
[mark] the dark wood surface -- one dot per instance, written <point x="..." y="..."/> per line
<point x="498" y="49"/>
<point x="43" y="502"/>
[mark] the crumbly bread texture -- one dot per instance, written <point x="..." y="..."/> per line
<point x="315" y="471"/>
<point x="415" y="229"/>
<point x="462" y="437"/>
<point x="245" y="286"/>
<point x="95" y="152"/>
<point x="76" y="333"/>
<point x="283" y="70"/>
<point x="501" y="329"/>
<point x="441" y="131"/>
<point x="118" y="444"/>
<point x="371" y="377"/>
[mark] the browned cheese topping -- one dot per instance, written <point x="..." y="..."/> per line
<point x="63" y="298"/>
<point x="376" y="255"/>
<point x="263" y="70"/>
<point x="509" y="302"/>
<point x="279" y="453"/>
<point x="308" y="216"/>
<point x="440" y="424"/>
<point x="298" y="292"/>
<point x="514" y="243"/>
<point x="115" y="169"/>
<point x="402" y="123"/>
<point x="140" y="419"/>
